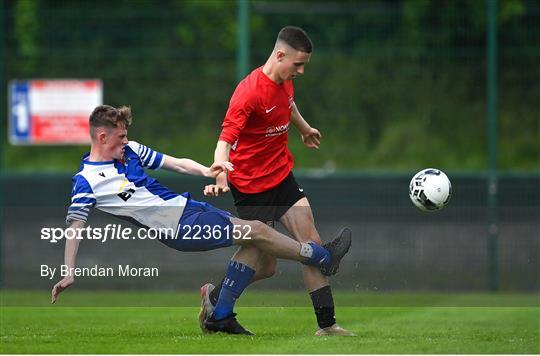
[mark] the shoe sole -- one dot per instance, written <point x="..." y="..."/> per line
<point x="223" y="328"/>
<point x="345" y="237"/>
<point x="334" y="334"/>
<point x="203" y="312"/>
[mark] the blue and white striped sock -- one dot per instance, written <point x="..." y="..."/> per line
<point x="236" y="280"/>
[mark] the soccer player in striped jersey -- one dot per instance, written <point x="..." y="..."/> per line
<point x="112" y="178"/>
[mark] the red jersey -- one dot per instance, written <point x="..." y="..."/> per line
<point x="257" y="125"/>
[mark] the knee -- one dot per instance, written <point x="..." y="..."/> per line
<point x="259" y="230"/>
<point x="267" y="269"/>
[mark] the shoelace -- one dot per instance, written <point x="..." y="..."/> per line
<point x="332" y="243"/>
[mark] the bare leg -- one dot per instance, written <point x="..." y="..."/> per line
<point x="260" y="253"/>
<point x="267" y="240"/>
<point x="265" y="264"/>
<point x="298" y="220"/>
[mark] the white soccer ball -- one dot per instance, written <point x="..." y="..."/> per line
<point x="430" y="189"/>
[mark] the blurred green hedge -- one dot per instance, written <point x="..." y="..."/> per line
<point x="391" y="85"/>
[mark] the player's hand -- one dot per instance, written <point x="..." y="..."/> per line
<point x="217" y="167"/>
<point x="215" y="190"/>
<point x="60" y="287"/>
<point x="312" y="138"/>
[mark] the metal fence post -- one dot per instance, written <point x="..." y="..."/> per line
<point x="243" y="39"/>
<point x="491" y="135"/>
<point x="3" y="124"/>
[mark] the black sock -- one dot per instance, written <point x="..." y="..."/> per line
<point x="214" y="294"/>
<point x="323" y="303"/>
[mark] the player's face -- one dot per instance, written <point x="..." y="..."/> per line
<point x="116" y="141"/>
<point x="292" y="63"/>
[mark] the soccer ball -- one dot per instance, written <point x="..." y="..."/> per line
<point x="430" y="189"/>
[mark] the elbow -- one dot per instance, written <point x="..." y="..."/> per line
<point x="224" y="142"/>
<point x="179" y="165"/>
<point x="183" y="166"/>
<point x="228" y="136"/>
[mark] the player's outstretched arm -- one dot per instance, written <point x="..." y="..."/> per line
<point x="221" y="154"/>
<point x="70" y="256"/>
<point x="310" y="136"/>
<point x="191" y="167"/>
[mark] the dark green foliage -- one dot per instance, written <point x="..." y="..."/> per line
<point x="391" y="85"/>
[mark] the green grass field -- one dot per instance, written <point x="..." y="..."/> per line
<point x="143" y="322"/>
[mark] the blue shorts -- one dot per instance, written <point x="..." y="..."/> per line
<point x="202" y="227"/>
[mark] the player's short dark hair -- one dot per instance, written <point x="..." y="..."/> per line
<point x="296" y="38"/>
<point x="108" y="116"/>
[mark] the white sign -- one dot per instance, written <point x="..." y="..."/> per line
<point x="52" y="111"/>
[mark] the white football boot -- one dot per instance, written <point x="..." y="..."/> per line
<point x="206" y="306"/>
<point x="334" y="330"/>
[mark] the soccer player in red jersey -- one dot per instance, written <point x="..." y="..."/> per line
<point x="254" y="138"/>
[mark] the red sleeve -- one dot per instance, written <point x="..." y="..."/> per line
<point x="240" y="108"/>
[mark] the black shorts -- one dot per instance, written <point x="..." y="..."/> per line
<point x="270" y="205"/>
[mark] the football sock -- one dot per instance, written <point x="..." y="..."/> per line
<point x="323" y="303"/>
<point x="315" y="255"/>
<point x="236" y="280"/>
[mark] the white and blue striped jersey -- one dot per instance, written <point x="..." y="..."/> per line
<point x="123" y="189"/>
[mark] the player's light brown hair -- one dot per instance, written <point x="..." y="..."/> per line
<point x="108" y="116"/>
<point x="296" y="38"/>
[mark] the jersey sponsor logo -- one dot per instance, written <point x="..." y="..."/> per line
<point x="126" y="194"/>
<point x="277" y="130"/>
<point x="269" y="110"/>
